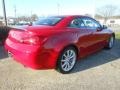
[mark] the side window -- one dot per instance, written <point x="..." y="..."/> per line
<point x="77" y="23"/>
<point x="91" y="23"/>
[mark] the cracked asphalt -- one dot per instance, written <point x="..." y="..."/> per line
<point x="100" y="71"/>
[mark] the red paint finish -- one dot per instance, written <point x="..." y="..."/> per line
<point x="39" y="46"/>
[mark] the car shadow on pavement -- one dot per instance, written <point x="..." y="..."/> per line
<point x="3" y="53"/>
<point x="99" y="58"/>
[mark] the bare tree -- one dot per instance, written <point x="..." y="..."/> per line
<point x="106" y="12"/>
<point x="34" y="17"/>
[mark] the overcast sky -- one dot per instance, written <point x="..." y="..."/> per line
<point x="50" y="7"/>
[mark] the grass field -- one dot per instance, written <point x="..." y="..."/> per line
<point x="118" y="36"/>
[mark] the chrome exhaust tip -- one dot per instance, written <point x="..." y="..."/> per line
<point x="10" y="54"/>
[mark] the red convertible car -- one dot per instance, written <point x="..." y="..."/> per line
<point x="58" y="42"/>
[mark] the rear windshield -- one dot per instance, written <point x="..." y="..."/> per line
<point x="51" y="21"/>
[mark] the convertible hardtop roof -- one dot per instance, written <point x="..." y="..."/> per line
<point x="69" y="16"/>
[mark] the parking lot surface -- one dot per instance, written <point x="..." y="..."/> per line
<point x="100" y="71"/>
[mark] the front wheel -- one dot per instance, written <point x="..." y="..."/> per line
<point x="111" y="42"/>
<point x="67" y="60"/>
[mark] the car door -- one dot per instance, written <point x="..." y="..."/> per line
<point x="100" y="33"/>
<point x="85" y="35"/>
<point x="96" y="34"/>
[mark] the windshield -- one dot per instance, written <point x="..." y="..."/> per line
<point x="51" y="21"/>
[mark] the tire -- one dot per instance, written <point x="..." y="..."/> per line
<point x="111" y="42"/>
<point x="67" y="60"/>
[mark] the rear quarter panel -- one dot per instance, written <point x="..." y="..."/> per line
<point x="59" y="40"/>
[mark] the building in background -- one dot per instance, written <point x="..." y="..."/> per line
<point x="112" y="21"/>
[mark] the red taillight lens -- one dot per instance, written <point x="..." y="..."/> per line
<point x="34" y="40"/>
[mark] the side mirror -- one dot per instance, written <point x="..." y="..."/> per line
<point x="99" y="29"/>
<point x="105" y="27"/>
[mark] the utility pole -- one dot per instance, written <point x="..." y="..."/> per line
<point x="15" y="14"/>
<point x="93" y="15"/>
<point x="4" y="12"/>
<point x="15" y="10"/>
<point x="58" y="7"/>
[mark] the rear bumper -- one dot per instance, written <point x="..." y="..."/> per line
<point x="31" y="56"/>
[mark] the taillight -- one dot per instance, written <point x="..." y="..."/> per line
<point x="34" y="40"/>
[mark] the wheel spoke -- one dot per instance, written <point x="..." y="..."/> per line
<point x="71" y="56"/>
<point x="71" y="53"/>
<point x="65" y="55"/>
<point x="63" y="60"/>
<point x="64" y="64"/>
